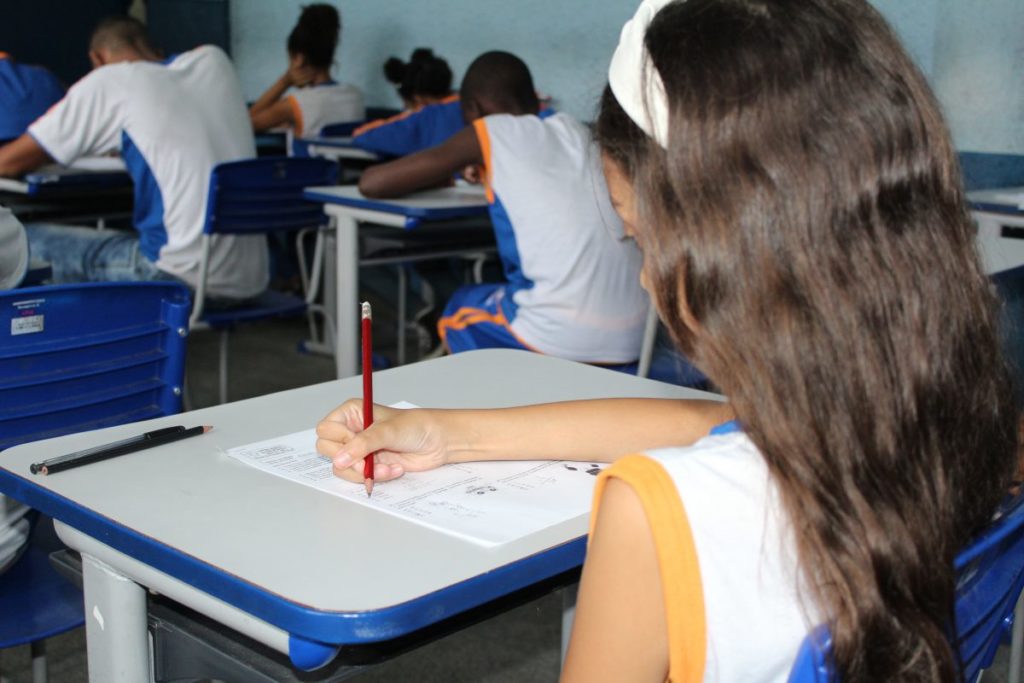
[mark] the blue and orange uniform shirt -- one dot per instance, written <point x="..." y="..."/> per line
<point x="413" y="130"/>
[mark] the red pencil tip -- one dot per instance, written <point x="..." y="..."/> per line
<point x="368" y="484"/>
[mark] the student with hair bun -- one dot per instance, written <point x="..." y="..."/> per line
<point x="432" y="111"/>
<point x="306" y="97"/>
<point x="424" y="79"/>
<point x="787" y="174"/>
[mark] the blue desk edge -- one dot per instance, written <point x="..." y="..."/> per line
<point x="385" y="206"/>
<point x="302" y="621"/>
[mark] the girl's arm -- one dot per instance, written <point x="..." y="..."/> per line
<point x="597" y="430"/>
<point x="270" y="110"/>
<point x="619" y="632"/>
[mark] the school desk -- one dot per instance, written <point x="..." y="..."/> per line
<point x="1000" y="218"/>
<point x="90" y="175"/>
<point x="93" y="191"/>
<point x="296" y="570"/>
<point x="422" y="211"/>
<point x="334" y="148"/>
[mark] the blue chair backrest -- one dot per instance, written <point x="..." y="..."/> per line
<point x="81" y="357"/>
<point x="811" y="664"/>
<point x="990" y="577"/>
<point x="265" y="195"/>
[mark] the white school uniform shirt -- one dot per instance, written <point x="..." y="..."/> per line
<point x="172" y="122"/>
<point x="756" y="610"/>
<point x="317" y="106"/>
<point x="573" y="280"/>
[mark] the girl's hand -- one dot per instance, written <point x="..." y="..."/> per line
<point x="401" y="440"/>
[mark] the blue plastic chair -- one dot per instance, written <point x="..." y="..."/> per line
<point x="258" y="196"/>
<point x="76" y="358"/>
<point x="989" y="583"/>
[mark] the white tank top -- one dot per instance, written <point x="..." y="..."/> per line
<point x="727" y="513"/>
<point x="317" y="106"/>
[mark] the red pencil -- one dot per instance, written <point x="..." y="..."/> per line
<point x="368" y="391"/>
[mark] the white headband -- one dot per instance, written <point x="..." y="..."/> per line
<point x="632" y="68"/>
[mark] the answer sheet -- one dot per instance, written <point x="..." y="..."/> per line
<point x="488" y="503"/>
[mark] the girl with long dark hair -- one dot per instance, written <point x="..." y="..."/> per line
<point x="788" y="176"/>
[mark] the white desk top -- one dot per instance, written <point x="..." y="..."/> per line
<point x="87" y="172"/>
<point x="1007" y="199"/>
<point x="244" y="531"/>
<point x="421" y="204"/>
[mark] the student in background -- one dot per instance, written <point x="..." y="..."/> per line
<point x="433" y="113"/>
<point x="172" y="123"/>
<point x="573" y="288"/>
<point x="424" y="79"/>
<point x="788" y="176"/>
<point x="306" y="98"/>
<point x="26" y="92"/>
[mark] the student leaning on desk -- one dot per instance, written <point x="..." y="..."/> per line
<point x="795" y="143"/>
<point x="172" y="121"/>
<point x="572" y="287"/>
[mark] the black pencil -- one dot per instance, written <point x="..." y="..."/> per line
<point x="112" y="450"/>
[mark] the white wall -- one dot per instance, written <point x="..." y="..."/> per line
<point x="566" y="43"/>
<point x="973" y="52"/>
<point x="979" y="73"/>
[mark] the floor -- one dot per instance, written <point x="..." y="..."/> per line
<point x="522" y="645"/>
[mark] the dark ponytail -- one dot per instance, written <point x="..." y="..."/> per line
<point x="424" y="74"/>
<point x="316" y="34"/>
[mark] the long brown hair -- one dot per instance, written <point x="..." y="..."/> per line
<point x="808" y="212"/>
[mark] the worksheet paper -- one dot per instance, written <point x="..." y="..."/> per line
<point x="488" y="503"/>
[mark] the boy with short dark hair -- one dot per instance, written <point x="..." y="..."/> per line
<point x="573" y="281"/>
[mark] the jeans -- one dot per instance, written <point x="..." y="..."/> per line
<point x="79" y="254"/>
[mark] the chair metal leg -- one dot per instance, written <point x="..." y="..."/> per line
<point x="224" y="366"/>
<point x="403" y="286"/>
<point x="1016" y="643"/>
<point x="38" y="649"/>
<point x="647" y="345"/>
<point x="568" y="615"/>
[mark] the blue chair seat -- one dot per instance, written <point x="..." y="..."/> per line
<point x="269" y="304"/>
<point x="46" y="603"/>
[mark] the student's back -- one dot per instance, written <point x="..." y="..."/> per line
<point x="433" y="113"/>
<point x="573" y="284"/>
<point x="172" y="124"/>
<point x="26" y="92"/>
<point x="412" y="131"/>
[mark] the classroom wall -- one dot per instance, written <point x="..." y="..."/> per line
<point x="978" y="73"/>
<point x="566" y="43"/>
<point x="973" y="53"/>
